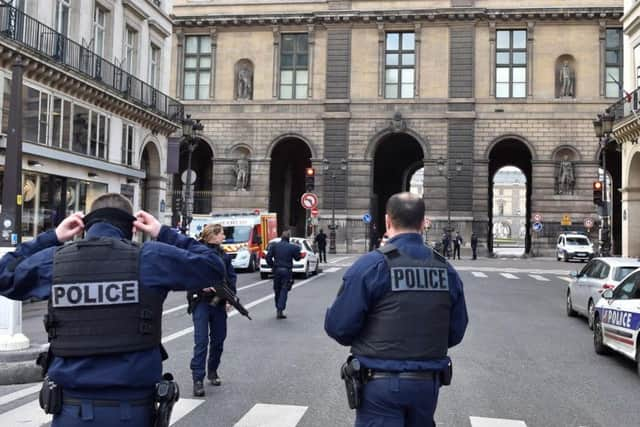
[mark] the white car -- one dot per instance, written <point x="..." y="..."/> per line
<point x="617" y="319"/>
<point x="597" y="276"/>
<point x="307" y="265"/>
<point x="574" y="246"/>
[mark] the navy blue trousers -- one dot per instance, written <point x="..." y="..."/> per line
<point x="281" y="278"/>
<point x="209" y="330"/>
<point x="87" y="414"/>
<point x="395" y="402"/>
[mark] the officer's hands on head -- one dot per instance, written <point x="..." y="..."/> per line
<point x="70" y="227"/>
<point x="147" y="223"/>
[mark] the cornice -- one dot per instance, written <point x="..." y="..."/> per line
<point x="407" y="15"/>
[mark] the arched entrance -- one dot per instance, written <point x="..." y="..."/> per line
<point x="631" y="209"/>
<point x="202" y="166"/>
<point x="150" y="186"/>
<point x="509" y="208"/>
<point x="614" y="170"/>
<point x="397" y="157"/>
<point x="509" y="152"/>
<point x="289" y="158"/>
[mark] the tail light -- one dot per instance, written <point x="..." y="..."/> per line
<point x="303" y="254"/>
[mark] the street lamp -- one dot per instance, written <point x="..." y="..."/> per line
<point x="190" y="129"/>
<point x="444" y="171"/>
<point x="331" y="167"/>
<point x="603" y="126"/>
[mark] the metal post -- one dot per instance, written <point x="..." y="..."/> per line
<point x="186" y="218"/>
<point x="332" y="233"/>
<point x="605" y="243"/>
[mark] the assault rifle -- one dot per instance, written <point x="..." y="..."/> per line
<point x="223" y="291"/>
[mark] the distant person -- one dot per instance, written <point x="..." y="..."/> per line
<point x="321" y="242"/>
<point x="280" y="258"/>
<point x="474" y="245"/>
<point x="457" y="242"/>
<point x="445" y="245"/>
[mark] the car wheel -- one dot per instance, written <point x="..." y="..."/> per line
<point x="570" y="311"/>
<point x="317" y="270"/>
<point x="565" y="257"/>
<point x="598" y="344"/>
<point x="252" y="264"/>
<point x="307" y="274"/>
<point x="638" y="357"/>
<point x="590" y="313"/>
<point x="264" y="276"/>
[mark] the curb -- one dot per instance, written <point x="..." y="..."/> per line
<point x="19" y="367"/>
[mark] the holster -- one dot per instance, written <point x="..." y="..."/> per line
<point x="351" y="373"/>
<point x="166" y="395"/>
<point x="44" y="360"/>
<point x="50" y="397"/>
<point x="446" y="374"/>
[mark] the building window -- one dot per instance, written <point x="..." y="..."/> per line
<point x="197" y="67"/>
<point x="613" y="63"/>
<point x="80" y="129"/>
<point x="636" y="59"/>
<point x="294" y="66"/>
<point x="99" y="135"/>
<point x="6" y="103"/>
<point x="35" y="118"/>
<point x="511" y="64"/>
<point x="62" y="16"/>
<point x="130" y="50"/>
<point x="154" y="66"/>
<point x="99" y="29"/>
<point x="127" y="145"/>
<point x="60" y="122"/>
<point x="400" y="64"/>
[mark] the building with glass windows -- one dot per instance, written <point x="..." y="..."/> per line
<point x="396" y="88"/>
<point x="96" y="114"/>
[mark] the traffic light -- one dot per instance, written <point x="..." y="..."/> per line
<point x="309" y="179"/>
<point x="597" y="193"/>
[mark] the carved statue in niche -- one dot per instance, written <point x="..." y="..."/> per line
<point x="241" y="171"/>
<point x="566" y="79"/>
<point x="565" y="178"/>
<point x="244" y="83"/>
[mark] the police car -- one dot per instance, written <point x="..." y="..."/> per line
<point x="617" y="319"/>
<point x="574" y="245"/>
<point x="307" y="265"/>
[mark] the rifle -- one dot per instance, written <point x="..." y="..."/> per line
<point x="224" y="292"/>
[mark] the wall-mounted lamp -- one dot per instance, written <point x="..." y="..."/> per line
<point x="92" y="174"/>
<point x="34" y="163"/>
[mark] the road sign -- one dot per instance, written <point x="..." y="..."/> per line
<point x="193" y="176"/>
<point x="537" y="217"/>
<point x="537" y="227"/>
<point x="427" y="222"/>
<point x="366" y="218"/>
<point x="588" y="222"/>
<point x="566" y="219"/>
<point x="315" y="212"/>
<point x="309" y="200"/>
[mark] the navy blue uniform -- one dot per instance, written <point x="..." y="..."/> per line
<point x="173" y="262"/>
<point x="210" y="326"/>
<point x="280" y="258"/>
<point x="392" y="401"/>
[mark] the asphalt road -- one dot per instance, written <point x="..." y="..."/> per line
<point x="522" y="358"/>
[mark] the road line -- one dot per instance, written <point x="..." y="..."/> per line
<point x="509" y="276"/>
<point x="495" y="422"/>
<point x="8" y="398"/>
<point x="263" y="415"/>
<point x="566" y="279"/>
<point x="27" y="415"/>
<point x="538" y="277"/>
<point x="333" y="261"/>
<point x="478" y="274"/>
<point x="183" y="407"/>
<point x="512" y="270"/>
<point x="331" y="270"/>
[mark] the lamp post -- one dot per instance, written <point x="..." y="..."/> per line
<point x="603" y="127"/>
<point x="190" y="129"/>
<point x="331" y="167"/>
<point x="444" y="171"/>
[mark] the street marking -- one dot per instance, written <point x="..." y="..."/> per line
<point x="182" y="407"/>
<point x="478" y="274"/>
<point x="333" y="261"/>
<point x="513" y="270"/>
<point x="538" y="277"/>
<point x="8" y="398"/>
<point x="331" y="270"/>
<point x="566" y="279"/>
<point x="495" y="422"/>
<point x="263" y="415"/>
<point x="509" y="276"/>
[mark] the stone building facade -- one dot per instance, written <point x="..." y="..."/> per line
<point x="368" y="92"/>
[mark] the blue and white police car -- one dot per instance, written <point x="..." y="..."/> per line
<point x="617" y="319"/>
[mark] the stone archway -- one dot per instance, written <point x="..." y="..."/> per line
<point x="631" y="209"/>
<point x="152" y="185"/>
<point x="202" y="166"/>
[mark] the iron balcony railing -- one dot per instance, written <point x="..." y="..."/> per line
<point x="45" y="41"/>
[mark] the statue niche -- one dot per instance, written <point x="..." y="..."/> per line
<point x="243" y="81"/>
<point x="565" y="177"/>
<point x="565" y="77"/>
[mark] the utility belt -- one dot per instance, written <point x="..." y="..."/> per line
<point x="355" y="376"/>
<point x="166" y="394"/>
<point x="196" y="297"/>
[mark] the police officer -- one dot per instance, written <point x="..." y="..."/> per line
<point x="400" y="308"/>
<point x="280" y="258"/>
<point x="105" y="308"/>
<point x="210" y="316"/>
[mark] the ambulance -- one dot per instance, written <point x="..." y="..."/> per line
<point x="246" y="235"/>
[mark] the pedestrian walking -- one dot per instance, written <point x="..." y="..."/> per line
<point x="474" y="245"/>
<point x="446" y="246"/>
<point x="321" y="243"/>
<point x="104" y="364"/>
<point x="457" y="242"/>
<point x="394" y="373"/>
<point x="280" y="257"/>
<point x="209" y="313"/>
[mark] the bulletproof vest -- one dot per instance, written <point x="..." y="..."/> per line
<point x="97" y="304"/>
<point x="411" y="320"/>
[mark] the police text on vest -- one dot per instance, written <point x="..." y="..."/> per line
<point x="419" y="279"/>
<point x="95" y="293"/>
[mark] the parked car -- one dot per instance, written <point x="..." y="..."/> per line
<point x="598" y="275"/>
<point x="617" y="319"/>
<point x="307" y="265"/>
<point x="574" y="246"/>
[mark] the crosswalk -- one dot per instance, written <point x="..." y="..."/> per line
<point x="542" y="276"/>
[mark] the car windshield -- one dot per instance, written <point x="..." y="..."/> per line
<point x="621" y="272"/>
<point x="237" y="234"/>
<point x="575" y="241"/>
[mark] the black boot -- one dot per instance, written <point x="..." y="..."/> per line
<point x="214" y="378"/>
<point x="198" y="389"/>
<point x="280" y="315"/>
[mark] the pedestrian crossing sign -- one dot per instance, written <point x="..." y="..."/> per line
<point x="566" y="219"/>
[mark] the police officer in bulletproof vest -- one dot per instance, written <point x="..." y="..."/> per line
<point x="209" y="313"/>
<point x="280" y="257"/>
<point x="105" y="310"/>
<point x="399" y="308"/>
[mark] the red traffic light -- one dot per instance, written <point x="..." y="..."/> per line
<point x="310" y="172"/>
<point x="597" y="185"/>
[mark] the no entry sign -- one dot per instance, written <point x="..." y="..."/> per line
<point x="309" y="200"/>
